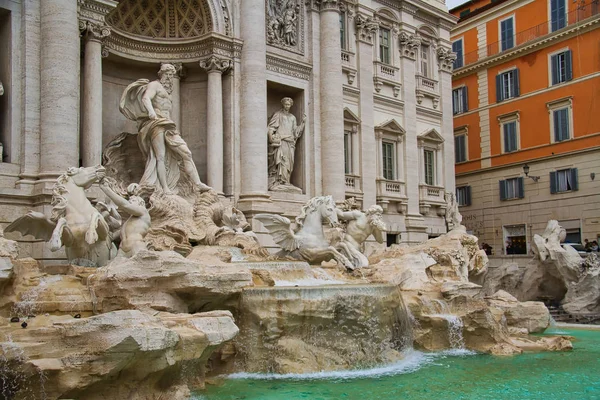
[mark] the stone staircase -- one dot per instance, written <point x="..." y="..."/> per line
<point x="560" y="315"/>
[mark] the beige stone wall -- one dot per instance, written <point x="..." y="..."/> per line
<point x="487" y="214"/>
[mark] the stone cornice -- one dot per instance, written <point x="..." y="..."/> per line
<point x="288" y="67"/>
<point x="153" y="50"/>
<point x="95" y="10"/>
<point x="528" y="47"/>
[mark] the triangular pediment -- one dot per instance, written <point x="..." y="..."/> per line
<point x="392" y="126"/>
<point x="349" y="116"/>
<point x="431" y="135"/>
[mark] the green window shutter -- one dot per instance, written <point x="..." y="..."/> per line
<point x="502" y="190"/>
<point x="468" y="190"/>
<point x="554" y="66"/>
<point x="521" y="184"/>
<point x="553" y="182"/>
<point x="465" y="100"/>
<point x="499" y="88"/>
<point x="516" y="86"/>
<point x="569" y="64"/>
<point x="574" y="179"/>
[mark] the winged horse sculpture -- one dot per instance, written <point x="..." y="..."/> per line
<point x="308" y="242"/>
<point x="74" y="222"/>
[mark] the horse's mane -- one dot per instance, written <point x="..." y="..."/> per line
<point x="59" y="190"/>
<point x="312" y="205"/>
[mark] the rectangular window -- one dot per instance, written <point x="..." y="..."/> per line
<point x="513" y="188"/>
<point x="507" y="85"/>
<point x="510" y="136"/>
<point x="460" y="148"/>
<point x="425" y="61"/>
<point x="558" y="14"/>
<point x="562" y="67"/>
<point x="564" y="180"/>
<point x="384" y="45"/>
<point x="561" y="124"/>
<point x="347" y="152"/>
<point x="343" y="30"/>
<point x="507" y="33"/>
<point x="429" y="167"/>
<point x="388" y="160"/>
<point x="459" y="100"/>
<point x="463" y="195"/>
<point x="457" y="47"/>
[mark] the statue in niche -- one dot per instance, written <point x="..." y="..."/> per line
<point x="149" y="104"/>
<point x="359" y="226"/>
<point x="134" y="230"/>
<point x="282" y="22"/>
<point x="283" y="132"/>
<point x="453" y="216"/>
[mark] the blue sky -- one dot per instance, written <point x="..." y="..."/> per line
<point x="453" y="3"/>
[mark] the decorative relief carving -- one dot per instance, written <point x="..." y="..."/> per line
<point x="214" y="63"/>
<point x="287" y="67"/>
<point x="366" y="28"/>
<point x="175" y="19"/>
<point x="348" y="7"/>
<point x="409" y="44"/>
<point x="285" y="25"/>
<point x="446" y="59"/>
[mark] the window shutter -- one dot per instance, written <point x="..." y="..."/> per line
<point x="553" y="183"/>
<point x="554" y="68"/>
<point x="555" y="115"/>
<point x="521" y="184"/>
<point x="502" y="190"/>
<point x="554" y="14"/>
<point x="465" y="100"/>
<point x="498" y="88"/>
<point x="564" y="124"/>
<point x="574" y="182"/>
<point x="516" y="91"/>
<point x="468" y="195"/>
<point x="569" y="65"/>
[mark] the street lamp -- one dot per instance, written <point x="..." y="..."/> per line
<point x="526" y="170"/>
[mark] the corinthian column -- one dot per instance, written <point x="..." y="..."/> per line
<point x="91" y="116"/>
<point x="215" y="67"/>
<point x="253" y="107"/>
<point x="59" y="86"/>
<point x="332" y="109"/>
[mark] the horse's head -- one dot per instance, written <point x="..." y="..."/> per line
<point x="328" y="211"/>
<point x="85" y="176"/>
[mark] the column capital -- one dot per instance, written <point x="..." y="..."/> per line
<point x="446" y="59"/>
<point x="93" y="30"/>
<point x="216" y="64"/>
<point x="329" y="5"/>
<point x="409" y="43"/>
<point x="366" y="28"/>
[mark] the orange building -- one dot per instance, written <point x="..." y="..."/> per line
<point x="526" y="103"/>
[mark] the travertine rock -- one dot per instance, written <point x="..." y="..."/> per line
<point x="166" y="281"/>
<point x="117" y="355"/>
<point x="531" y="315"/>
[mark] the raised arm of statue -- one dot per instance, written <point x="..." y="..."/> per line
<point x="129" y="208"/>
<point x="346" y="215"/>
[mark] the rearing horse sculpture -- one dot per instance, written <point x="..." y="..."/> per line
<point x="308" y="242"/>
<point x="74" y="222"/>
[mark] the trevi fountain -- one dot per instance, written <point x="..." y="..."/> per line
<point x="153" y="284"/>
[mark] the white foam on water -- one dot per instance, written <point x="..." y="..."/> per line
<point x="413" y="361"/>
<point x="455" y="326"/>
<point x="308" y="282"/>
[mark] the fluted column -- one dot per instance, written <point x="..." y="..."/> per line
<point x="91" y="113"/>
<point x="332" y="108"/>
<point x="253" y="107"/>
<point x="215" y="67"/>
<point x="59" y="86"/>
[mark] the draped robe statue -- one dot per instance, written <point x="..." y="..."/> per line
<point x="283" y="132"/>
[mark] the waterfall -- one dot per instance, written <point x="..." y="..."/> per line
<point x="13" y="381"/>
<point x="439" y="308"/>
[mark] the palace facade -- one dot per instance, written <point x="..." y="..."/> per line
<point x="526" y="88"/>
<point x="374" y="79"/>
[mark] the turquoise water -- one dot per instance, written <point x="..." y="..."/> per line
<point x="449" y="375"/>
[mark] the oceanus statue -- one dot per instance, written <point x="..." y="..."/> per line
<point x="308" y="242"/>
<point x="74" y="222"/>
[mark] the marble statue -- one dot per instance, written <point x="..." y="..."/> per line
<point x="359" y="226"/>
<point x="134" y="230"/>
<point x="453" y="216"/>
<point x="283" y="132"/>
<point x="149" y="104"/>
<point x="282" y="22"/>
<point x="308" y="242"/>
<point x="74" y="222"/>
